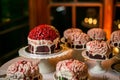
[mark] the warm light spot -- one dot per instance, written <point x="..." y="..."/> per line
<point x="115" y="50"/>
<point x="86" y="20"/>
<point x="94" y="21"/>
<point x="6" y="19"/>
<point x="118" y="26"/>
<point x="90" y="20"/>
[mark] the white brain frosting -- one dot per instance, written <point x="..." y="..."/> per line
<point x="97" y="47"/>
<point x="72" y="69"/>
<point x="115" y="37"/>
<point x="97" y="34"/>
<point x="22" y="69"/>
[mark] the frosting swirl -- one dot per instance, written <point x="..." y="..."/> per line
<point x="97" y="34"/>
<point x="97" y="47"/>
<point x="80" y="38"/>
<point x="115" y="38"/>
<point x="71" y="32"/>
<point x="22" y="69"/>
<point x="44" y="32"/>
<point x="71" y="69"/>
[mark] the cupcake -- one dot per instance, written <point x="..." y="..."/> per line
<point x="97" y="34"/>
<point x="43" y="39"/>
<point x="23" y="70"/>
<point x="98" y="50"/>
<point x="115" y="39"/>
<point x="76" y="39"/>
<point x="71" y="70"/>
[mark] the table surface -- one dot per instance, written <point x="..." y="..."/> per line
<point x="108" y="75"/>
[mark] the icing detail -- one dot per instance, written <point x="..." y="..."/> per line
<point x="43" y="36"/>
<point x="76" y="38"/>
<point x="22" y="70"/>
<point x="71" y="31"/>
<point x="97" y="34"/>
<point x="98" y="48"/>
<point x="79" y="38"/>
<point x="115" y="38"/>
<point x="37" y="43"/>
<point x="72" y="69"/>
<point x="44" y="32"/>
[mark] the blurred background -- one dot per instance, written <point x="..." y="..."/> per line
<point x="18" y="17"/>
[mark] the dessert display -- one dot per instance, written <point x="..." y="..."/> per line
<point x="43" y="39"/>
<point x="76" y="39"/>
<point x="23" y="70"/>
<point x="98" y="50"/>
<point x="97" y="34"/>
<point x="115" y="39"/>
<point x="71" y="69"/>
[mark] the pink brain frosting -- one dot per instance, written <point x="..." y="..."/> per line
<point x="22" y="69"/>
<point x="97" y="47"/>
<point x="115" y="37"/>
<point x="71" y="31"/>
<point x="44" y="32"/>
<point x="77" y="68"/>
<point x="80" y="38"/>
<point x="97" y="34"/>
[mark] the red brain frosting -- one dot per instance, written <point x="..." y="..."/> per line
<point x="44" y="32"/>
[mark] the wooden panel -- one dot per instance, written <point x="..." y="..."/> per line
<point x="73" y="16"/>
<point x="108" y="16"/>
<point x="32" y="13"/>
<point x="101" y="17"/>
<point x="38" y="12"/>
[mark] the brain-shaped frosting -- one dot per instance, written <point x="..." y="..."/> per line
<point x="115" y="38"/>
<point x="22" y="69"/>
<point x="97" y="34"/>
<point x="97" y="47"/>
<point x="80" y="38"/>
<point x="71" y="31"/>
<point x="44" y="32"/>
<point x="75" y="67"/>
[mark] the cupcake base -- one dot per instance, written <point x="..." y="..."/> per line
<point x="55" y="77"/>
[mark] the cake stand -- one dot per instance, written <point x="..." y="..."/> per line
<point x="76" y="52"/>
<point x="97" y="69"/>
<point x="44" y="65"/>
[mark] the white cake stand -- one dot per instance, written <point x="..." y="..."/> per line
<point x="97" y="69"/>
<point x="44" y="64"/>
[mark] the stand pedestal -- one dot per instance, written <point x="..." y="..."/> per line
<point x="45" y="66"/>
<point x="97" y="69"/>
